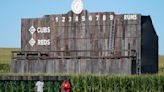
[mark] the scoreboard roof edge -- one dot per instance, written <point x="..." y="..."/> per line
<point x="83" y="12"/>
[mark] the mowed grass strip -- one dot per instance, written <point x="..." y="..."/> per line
<point x="161" y="64"/>
<point x="161" y="61"/>
<point x="5" y="55"/>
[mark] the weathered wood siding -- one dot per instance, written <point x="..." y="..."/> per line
<point x="98" y="66"/>
<point x="95" y="37"/>
<point x="98" y="37"/>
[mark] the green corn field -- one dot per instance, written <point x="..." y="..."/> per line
<point x="28" y="86"/>
<point x="92" y="83"/>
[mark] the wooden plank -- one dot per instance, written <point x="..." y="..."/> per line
<point x="73" y="66"/>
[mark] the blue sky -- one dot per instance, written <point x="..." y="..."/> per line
<point x="13" y="10"/>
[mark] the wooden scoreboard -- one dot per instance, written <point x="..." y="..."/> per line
<point x="100" y="42"/>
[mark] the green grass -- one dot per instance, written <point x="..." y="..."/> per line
<point x="5" y="55"/>
<point x="161" y="64"/>
<point x="5" y="59"/>
<point x="161" y="61"/>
